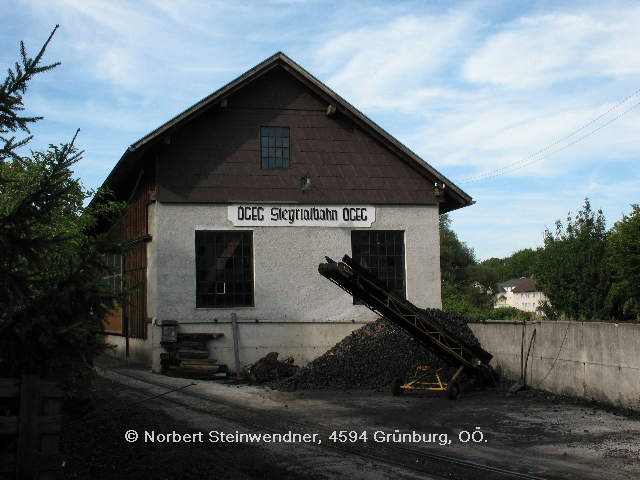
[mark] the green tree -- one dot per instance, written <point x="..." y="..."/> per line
<point x="572" y="269"/>
<point x="54" y="295"/>
<point x="520" y="264"/>
<point x="461" y="289"/>
<point x="455" y="256"/>
<point x="624" y="261"/>
<point x="489" y="272"/>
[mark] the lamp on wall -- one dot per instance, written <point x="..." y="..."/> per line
<point x="307" y="186"/>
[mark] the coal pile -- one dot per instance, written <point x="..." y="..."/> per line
<point x="373" y="355"/>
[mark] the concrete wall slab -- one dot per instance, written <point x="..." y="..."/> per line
<point x="591" y="360"/>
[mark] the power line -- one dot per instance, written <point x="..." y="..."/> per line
<point x="510" y="168"/>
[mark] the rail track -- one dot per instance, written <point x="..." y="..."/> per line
<point x="410" y="459"/>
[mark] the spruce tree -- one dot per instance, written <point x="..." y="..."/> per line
<point x="54" y="291"/>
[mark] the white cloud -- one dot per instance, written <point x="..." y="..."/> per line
<point x="534" y="51"/>
<point x="541" y="50"/>
<point x="388" y="66"/>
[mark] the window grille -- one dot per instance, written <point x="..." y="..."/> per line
<point x="224" y="269"/>
<point x="275" y="147"/>
<point x="382" y="253"/>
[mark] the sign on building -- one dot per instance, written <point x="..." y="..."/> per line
<point x="262" y="215"/>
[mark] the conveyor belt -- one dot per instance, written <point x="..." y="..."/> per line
<point x="353" y="278"/>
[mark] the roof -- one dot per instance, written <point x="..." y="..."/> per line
<point x="526" y="285"/>
<point x="454" y="197"/>
<point x="514" y="282"/>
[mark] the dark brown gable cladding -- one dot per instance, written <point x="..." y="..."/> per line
<point x="211" y="152"/>
<point x="216" y="156"/>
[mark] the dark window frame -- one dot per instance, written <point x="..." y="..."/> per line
<point x="115" y="262"/>
<point x="275" y="148"/>
<point x="382" y="252"/>
<point x="224" y="269"/>
<point x="114" y="322"/>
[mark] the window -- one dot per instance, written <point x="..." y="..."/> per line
<point x="382" y="253"/>
<point x="224" y="269"/>
<point x="113" y="323"/>
<point x="114" y="262"/>
<point x="275" y="147"/>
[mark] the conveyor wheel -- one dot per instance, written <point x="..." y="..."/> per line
<point x="396" y="385"/>
<point x="453" y="390"/>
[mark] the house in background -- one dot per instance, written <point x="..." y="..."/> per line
<point x="504" y="295"/>
<point x="527" y="297"/>
<point x="520" y="293"/>
<point x="241" y="196"/>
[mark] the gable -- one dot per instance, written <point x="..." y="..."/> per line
<point x="216" y="156"/>
<point x="211" y="152"/>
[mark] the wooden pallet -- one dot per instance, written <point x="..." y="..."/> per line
<point x="30" y="427"/>
<point x="189" y="357"/>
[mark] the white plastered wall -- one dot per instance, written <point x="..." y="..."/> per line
<point x="297" y="311"/>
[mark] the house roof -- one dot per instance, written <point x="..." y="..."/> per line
<point x="454" y="197"/>
<point x="526" y="285"/>
<point x="514" y="282"/>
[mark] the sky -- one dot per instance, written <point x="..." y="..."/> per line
<point x="529" y="107"/>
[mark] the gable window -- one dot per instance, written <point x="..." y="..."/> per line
<point x="224" y="269"/>
<point x="275" y="151"/>
<point x="381" y="252"/>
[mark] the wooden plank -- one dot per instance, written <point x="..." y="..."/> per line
<point x="36" y="435"/>
<point x="9" y="381"/>
<point x="208" y="368"/>
<point x="50" y="405"/>
<point x="7" y="462"/>
<point x="50" y="444"/>
<point x="49" y="423"/>
<point x="9" y="425"/>
<point x="26" y="467"/>
<point x="7" y="390"/>
<point x="202" y="361"/>
<point x="192" y="345"/>
<point x="9" y="387"/>
<point x="183" y="354"/>
<point x="197" y="375"/>
<point x="48" y="460"/>
<point x="51" y="389"/>
<point x="45" y="424"/>
<point x="198" y="336"/>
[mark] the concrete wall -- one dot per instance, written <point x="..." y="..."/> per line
<point x="589" y="360"/>
<point x="139" y="351"/>
<point x="287" y="283"/>
<point x="297" y="311"/>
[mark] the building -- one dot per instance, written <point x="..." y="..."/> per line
<point x="241" y="196"/>
<point x="504" y="295"/>
<point x="520" y="293"/>
<point x="527" y="297"/>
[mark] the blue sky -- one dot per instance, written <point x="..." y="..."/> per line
<point x="527" y="106"/>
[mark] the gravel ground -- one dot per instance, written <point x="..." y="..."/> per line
<point x="92" y="446"/>
<point x="92" y="442"/>
<point x="553" y="437"/>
